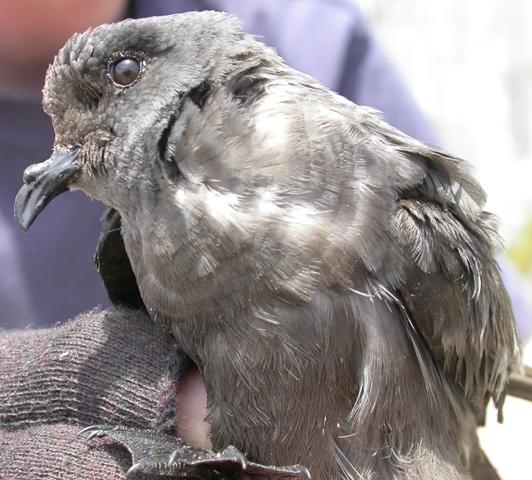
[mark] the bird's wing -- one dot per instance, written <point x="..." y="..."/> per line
<point x="452" y="288"/>
<point x="114" y="266"/>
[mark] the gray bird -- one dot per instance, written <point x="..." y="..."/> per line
<point x="332" y="278"/>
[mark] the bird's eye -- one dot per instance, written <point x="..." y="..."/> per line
<point x="125" y="71"/>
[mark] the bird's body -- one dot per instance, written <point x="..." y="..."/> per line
<point x="332" y="278"/>
<point x="271" y="296"/>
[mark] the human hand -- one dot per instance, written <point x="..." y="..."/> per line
<point x="114" y="367"/>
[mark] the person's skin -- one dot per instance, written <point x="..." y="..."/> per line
<point x="31" y="33"/>
<point x="192" y="410"/>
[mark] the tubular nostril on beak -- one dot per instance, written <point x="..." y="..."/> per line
<point x="29" y="176"/>
<point x="33" y="171"/>
<point x="43" y="182"/>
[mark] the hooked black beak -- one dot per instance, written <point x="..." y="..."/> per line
<point x="42" y="183"/>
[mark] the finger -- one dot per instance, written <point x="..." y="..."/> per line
<point x="191" y="408"/>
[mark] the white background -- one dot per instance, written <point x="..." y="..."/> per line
<point x="468" y="63"/>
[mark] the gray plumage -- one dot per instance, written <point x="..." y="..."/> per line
<point x="332" y="278"/>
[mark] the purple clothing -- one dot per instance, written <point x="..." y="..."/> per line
<point x="49" y="270"/>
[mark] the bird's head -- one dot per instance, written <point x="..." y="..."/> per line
<point x="114" y="94"/>
<point x="200" y="137"/>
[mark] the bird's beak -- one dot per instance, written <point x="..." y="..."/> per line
<point x="43" y="182"/>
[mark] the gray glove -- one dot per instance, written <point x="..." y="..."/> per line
<point x="112" y="367"/>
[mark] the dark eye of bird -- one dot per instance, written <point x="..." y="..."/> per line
<point x="125" y="71"/>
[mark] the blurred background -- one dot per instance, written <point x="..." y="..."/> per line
<point x="468" y="65"/>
